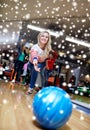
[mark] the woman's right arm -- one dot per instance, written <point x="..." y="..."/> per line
<point x="34" y="59"/>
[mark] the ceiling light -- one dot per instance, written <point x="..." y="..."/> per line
<point x="53" y="33"/>
<point x="77" y="41"/>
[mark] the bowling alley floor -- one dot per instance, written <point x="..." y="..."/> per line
<point x="16" y="110"/>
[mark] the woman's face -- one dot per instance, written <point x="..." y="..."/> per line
<point x="44" y="37"/>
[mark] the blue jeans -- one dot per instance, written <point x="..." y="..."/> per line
<point x="18" y="69"/>
<point x="47" y="73"/>
<point x="34" y="73"/>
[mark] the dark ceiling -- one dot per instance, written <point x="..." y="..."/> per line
<point x="72" y="17"/>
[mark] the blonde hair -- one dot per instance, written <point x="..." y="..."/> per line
<point x="48" y="46"/>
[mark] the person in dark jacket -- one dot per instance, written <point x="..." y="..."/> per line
<point x="19" y="62"/>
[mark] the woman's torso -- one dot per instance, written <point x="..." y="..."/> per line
<point x="37" y="52"/>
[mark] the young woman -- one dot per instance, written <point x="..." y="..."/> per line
<point x="38" y="55"/>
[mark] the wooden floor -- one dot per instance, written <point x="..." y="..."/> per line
<point x="16" y="112"/>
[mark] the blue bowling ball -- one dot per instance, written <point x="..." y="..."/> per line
<point x="52" y="107"/>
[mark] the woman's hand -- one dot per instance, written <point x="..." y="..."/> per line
<point x="36" y="68"/>
<point x="35" y="63"/>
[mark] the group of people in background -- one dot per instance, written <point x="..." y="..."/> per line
<point x="40" y="59"/>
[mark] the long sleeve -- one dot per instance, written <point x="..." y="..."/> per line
<point x="34" y="54"/>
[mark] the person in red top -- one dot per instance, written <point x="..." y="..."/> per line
<point x="50" y="65"/>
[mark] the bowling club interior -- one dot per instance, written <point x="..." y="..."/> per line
<point x="68" y="22"/>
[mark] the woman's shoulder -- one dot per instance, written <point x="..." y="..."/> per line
<point x="34" y="46"/>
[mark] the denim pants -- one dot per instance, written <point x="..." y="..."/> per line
<point x="34" y="73"/>
<point x="18" y="69"/>
<point x="47" y="73"/>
